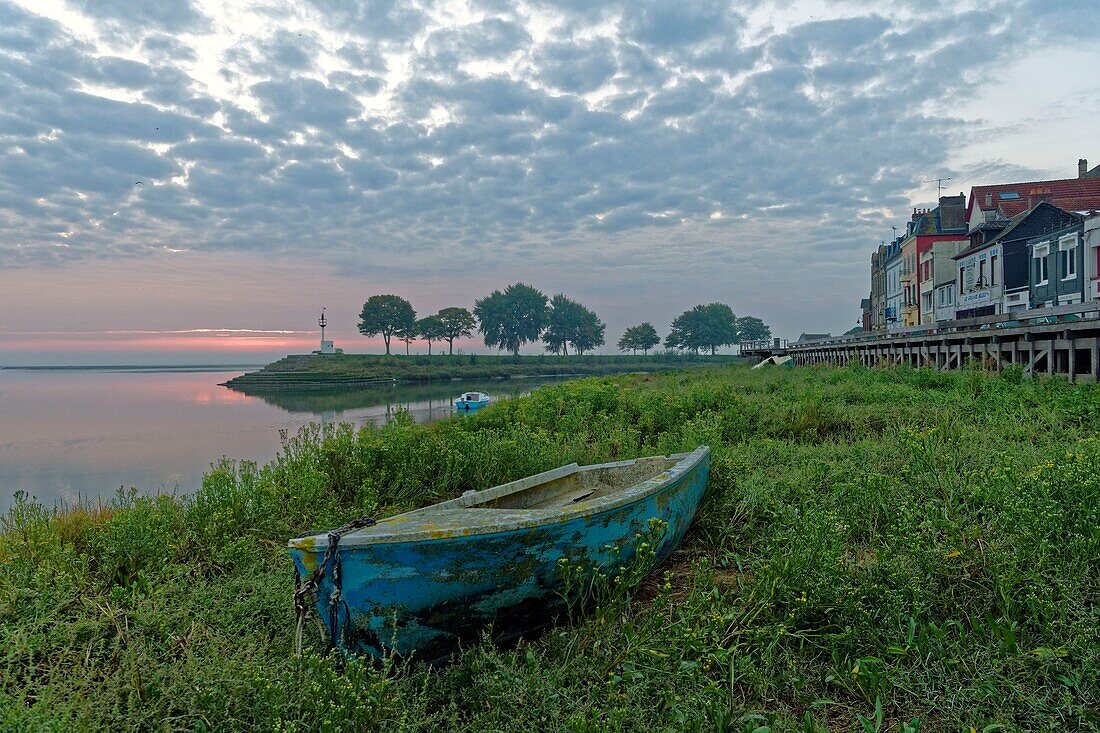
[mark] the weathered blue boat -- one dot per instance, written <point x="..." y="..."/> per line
<point x="427" y="580"/>
<point x="472" y="401"/>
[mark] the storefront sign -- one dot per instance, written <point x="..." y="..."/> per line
<point x="972" y="299"/>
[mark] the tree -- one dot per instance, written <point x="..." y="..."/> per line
<point x="569" y="322"/>
<point x="561" y="322"/>
<point x="431" y="328"/>
<point x="703" y="327"/>
<point x="643" y="336"/>
<point x="750" y="328"/>
<point x="408" y="336"/>
<point x="387" y="315"/>
<point x="510" y="319"/>
<point x="589" y="333"/>
<point x="457" y="323"/>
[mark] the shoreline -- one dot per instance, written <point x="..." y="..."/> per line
<point x="314" y="372"/>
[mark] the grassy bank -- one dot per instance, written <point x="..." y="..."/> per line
<point x="311" y="372"/>
<point x="879" y="550"/>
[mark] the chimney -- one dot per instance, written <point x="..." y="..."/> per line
<point x="1082" y="167"/>
<point x="1039" y="195"/>
<point x="989" y="201"/>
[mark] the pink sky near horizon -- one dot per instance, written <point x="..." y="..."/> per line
<point x="197" y="308"/>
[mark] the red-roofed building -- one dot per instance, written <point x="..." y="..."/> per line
<point x="1006" y="200"/>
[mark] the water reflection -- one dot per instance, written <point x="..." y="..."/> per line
<point x="69" y="434"/>
<point x="424" y="402"/>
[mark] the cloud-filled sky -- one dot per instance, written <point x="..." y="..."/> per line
<point x="640" y="156"/>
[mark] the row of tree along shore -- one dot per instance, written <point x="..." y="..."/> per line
<point x="522" y="314"/>
<point x="362" y="370"/>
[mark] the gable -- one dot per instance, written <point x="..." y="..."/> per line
<point x="1043" y="219"/>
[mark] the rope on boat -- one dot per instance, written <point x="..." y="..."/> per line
<point x="305" y="592"/>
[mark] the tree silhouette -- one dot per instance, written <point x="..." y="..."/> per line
<point x="569" y="322"/>
<point x="510" y="319"/>
<point x="703" y="327"/>
<point x="643" y="336"/>
<point x="750" y="328"/>
<point x="457" y="323"/>
<point x="431" y="328"/>
<point x="387" y="315"/>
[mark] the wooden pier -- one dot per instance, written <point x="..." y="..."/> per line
<point x="1062" y="340"/>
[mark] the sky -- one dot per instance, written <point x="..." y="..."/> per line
<point x="641" y="157"/>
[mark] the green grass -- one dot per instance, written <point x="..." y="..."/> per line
<point x="897" y="550"/>
<point x="311" y="371"/>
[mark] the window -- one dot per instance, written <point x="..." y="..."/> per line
<point x="1068" y="264"/>
<point x="1067" y="256"/>
<point x="982" y="282"/>
<point x="1040" y="270"/>
<point x="992" y="270"/>
<point x="962" y="270"/>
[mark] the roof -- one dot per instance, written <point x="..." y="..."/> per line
<point x="1070" y="194"/>
<point x="865" y="303"/>
<point x="813" y="337"/>
<point x="1011" y="224"/>
<point x="1054" y="234"/>
<point x="947" y="218"/>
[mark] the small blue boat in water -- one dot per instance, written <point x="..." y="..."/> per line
<point x="472" y="401"/>
<point x="425" y="581"/>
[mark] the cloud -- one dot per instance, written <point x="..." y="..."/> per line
<point x="135" y="18"/>
<point x="393" y="136"/>
<point x="577" y="68"/>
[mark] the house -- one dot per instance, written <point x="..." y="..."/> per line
<point x="1003" y="201"/>
<point x="1057" y="265"/>
<point x="878" y="289"/>
<point x="893" y="286"/>
<point x="992" y="278"/>
<point x="979" y="277"/>
<point x="940" y="234"/>
<point x="910" y="315"/>
<point x="944" y="296"/>
<point x="993" y="272"/>
<point x="865" y="318"/>
<point x="1091" y="249"/>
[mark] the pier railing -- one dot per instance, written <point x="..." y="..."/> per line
<point x="1058" y="340"/>
<point x="1023" y="319"/>
<point x="772" y="344"/>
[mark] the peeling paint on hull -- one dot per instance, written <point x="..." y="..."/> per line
<point x="429" y="595"/>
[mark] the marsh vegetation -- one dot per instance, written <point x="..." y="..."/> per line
<point x="895" y="550"/>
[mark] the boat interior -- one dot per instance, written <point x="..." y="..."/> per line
<point x="532" y="499"/>
<point x="579" y="485"/>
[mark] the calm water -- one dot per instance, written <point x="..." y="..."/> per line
<point x="66" y="434"/>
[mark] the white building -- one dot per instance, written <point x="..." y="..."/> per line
<point x="979" y="283"/>
<point x="937" y="267"/>
<point x="944" y="297"/>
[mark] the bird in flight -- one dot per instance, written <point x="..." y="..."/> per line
<point x="138" y="183"/>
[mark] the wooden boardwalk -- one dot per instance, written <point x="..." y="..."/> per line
<point x="1063" y="340"/>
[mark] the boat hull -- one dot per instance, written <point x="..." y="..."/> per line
<point x="430" y="595"/>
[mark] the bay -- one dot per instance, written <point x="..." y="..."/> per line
<point x="69" y="434"/>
